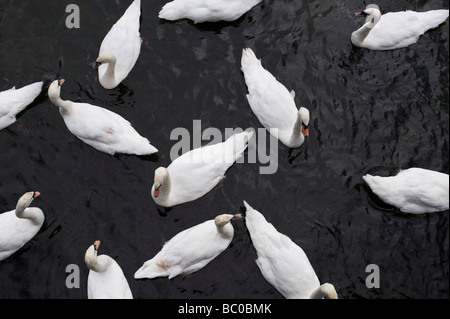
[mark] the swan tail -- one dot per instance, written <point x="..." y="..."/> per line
<point x="153" y="269"/>
<point x="249" y="60"/>
<point x="433" y="18"/>
<point x="236" y="145"/>
<point x="253" y="218"/>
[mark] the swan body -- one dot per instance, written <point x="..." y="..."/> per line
<point x="272" y="103"/>
<point x="191" y="249"/>
<point x="283" y="263"/>
<point x="13" y="101"/>
<point x="394" y="30"/>
<point x="206" y="10"/>
<point x="414" y="190"/>
<point x="196" y="172"/>
<point x="106" y="279"/>
<point x="100" y="128"/>
<point x="19" y="226"/>
<point x="120" y="48"/>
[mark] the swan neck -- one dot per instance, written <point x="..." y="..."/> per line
<point x="98" y="263"/>
<point x="65" y="106"/>
<point x="109" y="77"/>
<point x="297" y="135"/>
<point x="318" y="294"/>
<point x="33" y="214"/>
<point x="165" y="187"/>
<point x="226" y="230"/>
<point x="361" y="34"/>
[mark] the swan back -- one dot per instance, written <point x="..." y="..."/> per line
<point x="190" y="250"/>
<point x="120" y="48"/>
<point x="282" y="263"/>
<point x="206" y="10"/>
<point x="394" y="30"/>
<point x="106" y="279"/>
<point x="196" y="172"/>
<point x="13" y="101"/>
<point x="414" y="190"/>
<point x="19" y="226"/>
<point x="270" y="101"/>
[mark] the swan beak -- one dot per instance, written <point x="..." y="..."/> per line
<point x="305" y="130"/>
<point x="61" y="82"/>
<point x="237" y="216"/>
<point x="157" y="191"/>
<point x="95" y="65"/>
<point x="361" y="14"/>
<point x="36" y="194"/>
<point x="96" y="244"/>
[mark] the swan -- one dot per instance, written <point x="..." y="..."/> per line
<point x="413" y="190"/>
<point x="191" y="249"/>
<point x="394" y="30"/>
<point x="206" y="10"/>
<point x="100" y="128"/>
<point x="196" y="172"/>
<point x="13" y="101"/>
<point x="282" y="263"/>
<point x="19" y="226"/>
<point x="106" y="279"/>
<point x="272" y="103"/>
<point x="120" y="48"/>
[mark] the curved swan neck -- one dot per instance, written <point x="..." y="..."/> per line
<point x="33" y="214"/>
<point x="108" y="79"/>
<point x="165" y="187"/>
<point x="360" y="35"/>
<point x="297" y="135"/>
<point x="54" y="95"/>
<point x="226" y="230"/>
<point x="96" y="263"/>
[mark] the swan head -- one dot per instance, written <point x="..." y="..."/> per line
<point x="104" y="58"/>
<point x="303" y="115"/>
<point x="328" y="291"/>
<point x="90" y="258"/>
<point x="54" y="91"/>
<point x="161" y="174"/>
<point x="372" y="14"/>
<point x="26" y="199"/>
<point x="224" y="219"/>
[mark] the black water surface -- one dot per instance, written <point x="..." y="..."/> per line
<point x="370" y="112"/>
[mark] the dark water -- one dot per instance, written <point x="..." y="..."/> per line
<point x="370" y="112"/>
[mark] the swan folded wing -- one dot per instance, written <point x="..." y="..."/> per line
<point x="191" y="249"/>
<point x="92" y="123"/>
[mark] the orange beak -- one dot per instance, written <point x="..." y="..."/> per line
<point x="305" y="131"/>
<point x="36" y="194"/>
<point x="96" y="244"/>
<point x="156" y="192"/>
<point x="61" y="82"/>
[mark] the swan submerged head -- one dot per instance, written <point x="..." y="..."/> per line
<point x="224" y="219"/>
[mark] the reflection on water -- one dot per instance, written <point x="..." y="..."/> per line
<point x="370" y="112"/>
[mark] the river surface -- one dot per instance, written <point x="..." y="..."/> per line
<point x="371" y="112"/>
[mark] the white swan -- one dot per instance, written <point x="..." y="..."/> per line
<point x="106" y="279"/>
<point x="120" y="48"/>
<point x="394" y="30"/>
<point x="206" y="10"/>
<point x="191" y="249"/>
<point x="272" y="103"/>
<point x="283" y="263"/>
<point x="13" y="101"/>
<point x="196" y="172"/>
<point x="100" y="128"/>
<point x="414" y="190"/>
<point x="19" y="226"/>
